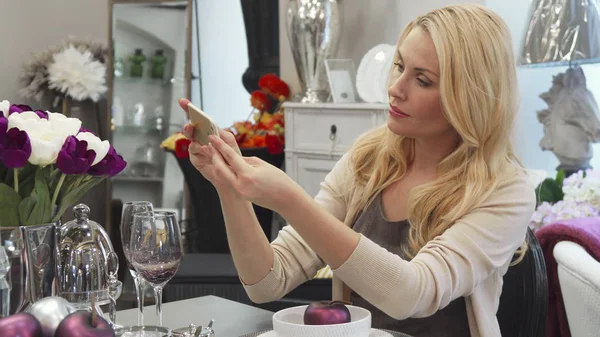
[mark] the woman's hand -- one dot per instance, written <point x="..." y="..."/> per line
<point x="201" y="156"/>
<point x="252" y="178"/>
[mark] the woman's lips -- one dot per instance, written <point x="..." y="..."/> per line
<point x="394" y="111"/>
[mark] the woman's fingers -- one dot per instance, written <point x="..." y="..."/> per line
<point x="230" y="156"/>
<point x="195" y="149"/>
<point x="229" y="139"/>
<point x="188" y="131"/>
<point x="223" y="170"/>
<point x="183" y="103"/>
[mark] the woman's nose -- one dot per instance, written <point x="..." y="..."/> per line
<point x="397" y="89"/>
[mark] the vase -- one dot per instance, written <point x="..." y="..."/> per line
<point x="205" y="231"/>
<point x="313" y="29"/>
<point x="32" y="252"/>
<point x="158" y="65"/>
<point x="261" y="20"/>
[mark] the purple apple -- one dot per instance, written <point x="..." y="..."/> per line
<point x="326" y="312"/>
<point x="84" y="324"/>
<point x="20" y="325"/>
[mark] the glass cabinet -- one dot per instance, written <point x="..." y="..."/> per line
<point x="150" y="70"/>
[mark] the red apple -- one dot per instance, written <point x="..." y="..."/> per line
<point x="83" y="324"/>
<point x="20" y="325"/>
<point x="325" y="312"/>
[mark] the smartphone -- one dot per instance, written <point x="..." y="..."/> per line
<point x="204" y="126"/>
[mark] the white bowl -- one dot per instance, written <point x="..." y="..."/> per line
<point x="290" y="323"/>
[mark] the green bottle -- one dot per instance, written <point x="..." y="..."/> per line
<point x="137" y="69"/>
<point x="159" y="62"/>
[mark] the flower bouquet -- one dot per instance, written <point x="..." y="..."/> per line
<point x="266" y="130"/>
<point x="47" y="163"/>
<point x="562" y="198"/>
<point x="267" y="126"/>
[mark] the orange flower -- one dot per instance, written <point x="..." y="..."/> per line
<point x="274" y="143"/>
<point x="266" y="81"/>
<point x="181" y="148"/>
<point x="260" y="100"/>
<point x="281" y="91"/>
<point x="274" y="86"/>
<point x="259" y="141"/>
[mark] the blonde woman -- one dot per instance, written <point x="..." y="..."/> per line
<point x="419" y="221"/>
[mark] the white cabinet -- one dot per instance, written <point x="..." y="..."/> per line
<point x="317" y="135"/>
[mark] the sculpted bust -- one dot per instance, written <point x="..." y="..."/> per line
<point x="570" y="121"/>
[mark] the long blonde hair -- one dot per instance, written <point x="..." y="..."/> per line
<point x="478" y="90"/>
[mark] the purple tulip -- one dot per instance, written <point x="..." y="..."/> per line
<point x="15" y="148"/>
<point x="82" y="129"/>
<point x="3" y="126"/>
<point x="74" y="157"/>
<point x="110" y="165"/>
<point x="41" y="114"/>
<point x="18" y="108"/>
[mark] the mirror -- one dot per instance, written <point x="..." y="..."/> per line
<point x="150" y="71"/>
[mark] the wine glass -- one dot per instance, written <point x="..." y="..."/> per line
<point x="129" y="209"/>
<point x="156" y="250"/>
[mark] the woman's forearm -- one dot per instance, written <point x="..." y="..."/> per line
<point x="330" y="238"/>
<point x="252" y="254"/>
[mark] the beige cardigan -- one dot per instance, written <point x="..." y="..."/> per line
<point x="468" y="260"/>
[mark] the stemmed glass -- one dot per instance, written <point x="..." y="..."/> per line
<point x="156" y="250"/>
<point x="129" y="209"/>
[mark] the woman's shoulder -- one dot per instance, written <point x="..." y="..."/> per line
<point x="514" y="186"/>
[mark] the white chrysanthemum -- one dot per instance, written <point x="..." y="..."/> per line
<point x="77" y="74"/>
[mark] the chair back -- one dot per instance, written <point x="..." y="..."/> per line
<point x="524" y="299"/>
<point x="579" y="279"/>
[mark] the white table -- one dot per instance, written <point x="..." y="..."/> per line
<point x="232" y="319"/>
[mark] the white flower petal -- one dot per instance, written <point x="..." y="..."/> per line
<point x="4" y="107"/>
<point x="65" y="125"/>
<point x="44" y="152"/>
<point x="25" y="121"/>
<point x="99" y="146"/>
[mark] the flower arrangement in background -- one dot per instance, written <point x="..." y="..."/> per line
<point x="266" y="129"/>
<point x="178" y="144"/>
<point x="76" y="69"/>
<point x="563" y="198"/>
<point x="47" y="163"/>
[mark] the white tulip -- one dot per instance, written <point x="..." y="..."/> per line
<point x="69" y="126"/>
<point x="47" y="137"/>
<point x="4" y="107"/>
<point x="99" y="146"/>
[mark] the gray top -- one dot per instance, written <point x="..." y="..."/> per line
<point x="393" y="235"/>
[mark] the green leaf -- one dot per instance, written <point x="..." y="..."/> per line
<point x="41" y="213"/>
<point x="27" y="180"/>
<point x="550" y="191"/>
<point x="9" y="202"/>
<point x="3" y="171"/>
<point x="26" y="208"/>
<point x="73" y="196"/>
<point x="8" y="178"/>
<point x="560" y="177"/>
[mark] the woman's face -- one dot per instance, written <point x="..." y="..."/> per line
<point x="414" y="91"/>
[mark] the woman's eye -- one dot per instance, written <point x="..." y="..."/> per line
<point x="423" y="83"/>
<point x="399" y="65"/>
